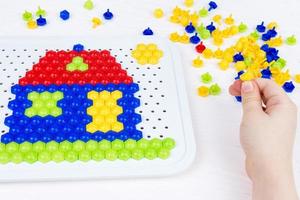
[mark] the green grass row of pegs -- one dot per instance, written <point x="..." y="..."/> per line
<point x="91" y="150"/>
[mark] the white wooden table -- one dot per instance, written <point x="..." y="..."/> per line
<point x="218" y="171"/>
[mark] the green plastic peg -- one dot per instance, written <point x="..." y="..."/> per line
<point x="255" y="35"/>
<point x="248" y="61"/>
<point x="214" y="89"/>
<point x="104" y="145"/>
<point x="65" y="146"/>
<point x="27" y="16"/>
<point x="98" y="155"/>
<point x="25" y="147"/>
<point x="206" y="78"/>
<point x="243" y="28"/>
<point x="4" y="157"/>
<point x="117" y="144"/>
<point x="85" y="156"/>
<point x="143" y="144"/>
<point x="78" y="146"/>
<point x="71" y="156"/>
<point x="12" y="147"/>
<point x="201" y="28"/>
<point x="2" y="147"/>
<point x="52" y="146"/>
<point x="163" y="153"/>
<point x="40" y="12"/>
<point x="111" y="154"/>
<point x="44" y="157"/>
<point x="17" y="157"/>
<point x="292" y="40"/>
<point x="203" y="12"/>
<point x="137" y="154"/>
<point x="30" y="157"/>
<point x="150" y="154"/>
<point x="155" y="143"/>
<point x="38" y="147"/>
<point x="168" y="143"/>
<point x="124" y="154"/>
<point x="92" y="145"/>
<point x="204" y="34"/>
<point x="130" y="144"/>
<point x="58" y="156"/>
<point x="89" y="5"/>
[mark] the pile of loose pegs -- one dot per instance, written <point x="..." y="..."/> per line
<point x="204" y="90"/>
<point x="35" y="20"/>
<point x="255" y="55"/>
<point x="40" y="20"/>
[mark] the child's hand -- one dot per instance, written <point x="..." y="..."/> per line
<point x="267" y="136"/>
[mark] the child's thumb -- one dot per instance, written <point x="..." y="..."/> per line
<point x="251" y="98"/>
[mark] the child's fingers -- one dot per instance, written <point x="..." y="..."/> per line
<point x="251" y="98"/>
<point x="273" y="95"/>
<point x="235" y="88"/>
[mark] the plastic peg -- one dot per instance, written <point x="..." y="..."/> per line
<point x="243" y="27"/>
<point x="40" y="12"/>
<point x="148" y="31"/>
<point x="64" y="15"/>
<point x="211" y="27"/>
<point x="195" y="39"/>
<point x="108" y="15"/>
<point x="200" y="47"/>
<point x="261" y="28"/>
<point x="41" y="21"/>
<point x="212" y="6"/>
<point x="27" y="16"/>
<point x="190" y="28"/>
<point x="203" y="12"/>
<point x="158" y="13"/>
<point x="188" y="3"/>
<point x="88" y="4"/>
<point x="288" y="87"/>
<point x="291" y="40"/>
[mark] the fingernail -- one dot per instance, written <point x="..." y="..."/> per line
<point x="247" y="86"/>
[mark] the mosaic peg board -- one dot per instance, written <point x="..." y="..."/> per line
<point x="148" y="109"/>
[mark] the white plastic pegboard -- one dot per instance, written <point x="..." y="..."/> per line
<point x="164" y="107"/>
